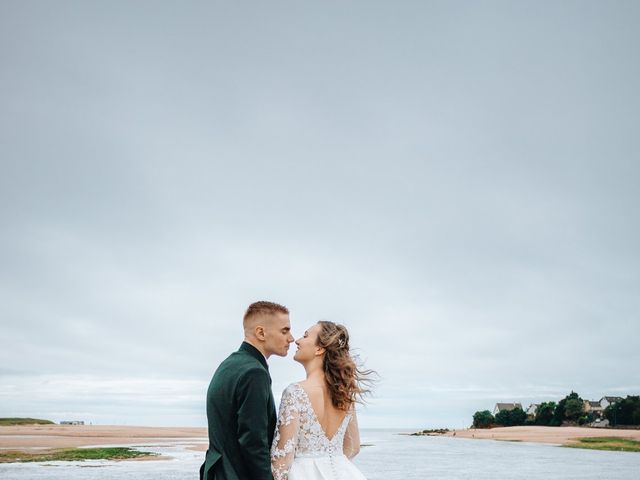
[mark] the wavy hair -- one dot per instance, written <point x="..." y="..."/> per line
<point x="347" y="381"/>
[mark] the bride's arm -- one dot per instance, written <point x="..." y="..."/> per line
<point x="351" y="444"/>
<point x="286" y="436"/>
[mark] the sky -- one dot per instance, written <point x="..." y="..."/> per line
<point x="456" y="182"/>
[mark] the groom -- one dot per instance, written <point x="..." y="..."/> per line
<point x="240" y="409"/>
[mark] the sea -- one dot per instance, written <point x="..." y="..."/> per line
<point x="387" y="455"/>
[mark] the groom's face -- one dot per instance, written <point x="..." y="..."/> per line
<point x="277" y="335"/>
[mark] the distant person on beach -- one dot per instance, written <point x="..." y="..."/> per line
<point x="317" y="432"/>
<point x="240" y="407"/>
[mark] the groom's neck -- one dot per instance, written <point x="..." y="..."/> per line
<point x="257" y="346"/>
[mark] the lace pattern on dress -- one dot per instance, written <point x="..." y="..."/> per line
<point x="299" y="433"/>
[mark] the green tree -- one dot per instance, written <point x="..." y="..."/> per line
<point x="483" y="419"/>
<point x="611" y="414"/>
<point x="560" y="414"/>
<point x="518" y="416"/>
<point x="636" y="417"/>
<point x="631" y="410"/>
<point x="503" y="418"/>
<point x="545" y="413"/>
<point x="508" y="418"/>
<point x="624" y="412"/>
<point x="573" y="409"/>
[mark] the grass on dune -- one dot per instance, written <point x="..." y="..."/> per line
<point x="607" y="443"/>
<point x="24" y="421"/>
<point x="74" y="454"/>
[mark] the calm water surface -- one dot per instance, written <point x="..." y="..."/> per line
<point x="391" y="457"/>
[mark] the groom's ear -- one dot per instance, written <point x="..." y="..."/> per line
<point x="259" y="332"/>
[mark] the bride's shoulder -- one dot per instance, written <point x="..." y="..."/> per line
<point x="293" y="389"/>
<point x="292" y="396"/>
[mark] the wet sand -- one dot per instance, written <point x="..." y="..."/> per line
<point x="552" y="435"/>
<point x="40" y="438"/>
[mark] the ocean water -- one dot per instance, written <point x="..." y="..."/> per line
<point x="390" y="457"/>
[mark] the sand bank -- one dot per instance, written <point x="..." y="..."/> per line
<point x="31" y="438"/>
<point x="553" y="435"/>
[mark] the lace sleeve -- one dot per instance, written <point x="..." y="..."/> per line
<point x="286" y="435"/>
<point x="351" y="443"/>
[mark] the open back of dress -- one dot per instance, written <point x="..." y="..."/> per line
<point x="301" y="449"/>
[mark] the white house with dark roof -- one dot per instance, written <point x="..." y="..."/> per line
<point x="533" y="408"/>
<point x="606" y="401"/>
<point x="505" y="406"/>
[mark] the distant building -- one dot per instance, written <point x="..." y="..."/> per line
<point x="533" y="408"/>
<point x="593" y="407"/>
<point x="505" y="406"/>
<point x="72" y="422"/>
<point x="606" y="401"/>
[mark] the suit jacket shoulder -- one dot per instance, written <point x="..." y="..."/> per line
<point x="241" y="416"/>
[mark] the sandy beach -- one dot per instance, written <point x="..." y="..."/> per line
<point x="553" y="435"/>
<point x="30" y="438"/>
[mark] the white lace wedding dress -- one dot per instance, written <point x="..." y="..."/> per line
<point x="302" y="451"/>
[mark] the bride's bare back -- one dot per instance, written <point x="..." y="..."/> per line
<point x="329" y="417"/>
<point x="301" y="448"/>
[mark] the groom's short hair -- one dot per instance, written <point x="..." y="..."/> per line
<point x="262" y="307"/>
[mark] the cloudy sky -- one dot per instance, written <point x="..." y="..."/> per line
<point x="457" y="182"/>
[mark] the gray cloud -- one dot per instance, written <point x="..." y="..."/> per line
<point x="454" y="182"/>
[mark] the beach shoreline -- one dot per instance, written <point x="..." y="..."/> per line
<point x="42" y="438"/>
<point x="546" y="435"/>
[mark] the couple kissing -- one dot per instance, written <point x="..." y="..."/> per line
<point x="315" y="434"/>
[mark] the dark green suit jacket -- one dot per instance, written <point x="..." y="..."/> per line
<point x="242" y="418"/>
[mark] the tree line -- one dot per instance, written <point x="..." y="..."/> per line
<point x="569" y="410"/>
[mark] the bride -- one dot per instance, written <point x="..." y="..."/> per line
<point x="317" y="430"/>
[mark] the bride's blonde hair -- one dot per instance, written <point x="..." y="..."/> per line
<point x="347" y="382"/>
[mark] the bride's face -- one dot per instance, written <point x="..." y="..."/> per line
<point x="307" y="348"/>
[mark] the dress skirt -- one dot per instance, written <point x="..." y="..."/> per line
<point x="335" y="467"/>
